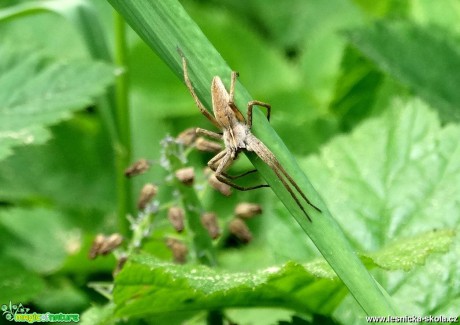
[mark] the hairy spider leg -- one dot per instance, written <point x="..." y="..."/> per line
<point x="251" y="105"/>
<point x="189" y="85"/>
<point x="269" y="158"/>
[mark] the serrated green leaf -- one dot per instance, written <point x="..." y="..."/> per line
<point x="396" y="177"/>
<point x="423" y="58"/>
<point x="148" y="286"/>
<point x="32" y="135"/>
<point x="34" y="94"/>
<point x="404" y="254"/>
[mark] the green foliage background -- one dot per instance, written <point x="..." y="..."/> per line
<point x="364" y="94"/>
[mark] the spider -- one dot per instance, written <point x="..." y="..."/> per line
<point x="237" y="136"/>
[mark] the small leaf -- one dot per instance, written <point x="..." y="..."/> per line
<point x="34" y="94"/>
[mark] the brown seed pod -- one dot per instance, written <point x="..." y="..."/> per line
<point x="95" y="247"/>
<point x="178" y="249"/>
<point x="187" y="137"/>
<point x="240" y="230"/>
<point x="137" y="168"/>
<point x="223" y="188"/>
<point x="247" y="210"/>
<point x="103" y="245"/>
<point x="112" y="242"/>
<point x="186" y="175"/>
<point x="120" y="263"/>
<point x="176" y="218"/>
<point x="208" y="146"/>
<point x="209" y="222"/>
<point x="148" y="192"/>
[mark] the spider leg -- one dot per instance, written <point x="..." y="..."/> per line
<point x="231" y="101"/>
<point x="189" y="85"/>
<point x="219" y="137"/>
<point x="208" y="133"/>
<point x="289" y="178"/>
<point x="212" y="163"/>
<point x="269" y="158"/>
<point x="289" y="189"/>
<point x="240" y="175"/>
<point x="251" y="105"/>
<point x="232" y="86"/>
<point x="224" y="180"/>
<point x="223" y="160"/>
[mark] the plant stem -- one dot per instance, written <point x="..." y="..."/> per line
<point x="202" y="243"/>
<point x="122" y="117"/>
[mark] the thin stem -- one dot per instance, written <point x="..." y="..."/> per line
<point x="202" y="243"/>
<point x="123" y="145"/>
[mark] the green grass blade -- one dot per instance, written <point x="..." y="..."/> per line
<point x="165" y="26"/>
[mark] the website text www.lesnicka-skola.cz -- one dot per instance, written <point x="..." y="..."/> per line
<point x="412" y="319"/>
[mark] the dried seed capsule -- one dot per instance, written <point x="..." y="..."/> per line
<point x="176" y="218"/>
<point x="139" y="167"/>
<point x="96" y="246"/>
<point x="247" y="210"/>
<point x="187" y="137"/>
<point x="209" y="221"/>
<point x="148" y="192"/>
<point x="240" y="230"/>
<point x="120" y="263"/>
<point x="208" y="146"/>
<point x="186" y="175"/>
<point x="218" y="185"/>
<point x="103" y="245"/>
<point x="179" y="250"/>
<point x="111" y="242"/>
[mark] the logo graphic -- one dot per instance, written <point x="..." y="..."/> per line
<point x="19" y="313"/>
